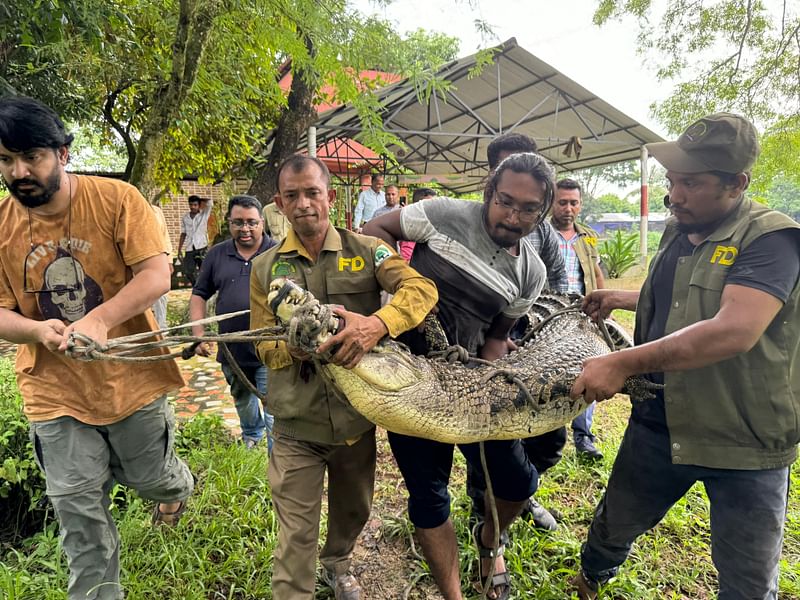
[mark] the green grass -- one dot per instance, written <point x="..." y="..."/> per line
<point x="673" y="561"/>
<point x="222" y="548"/>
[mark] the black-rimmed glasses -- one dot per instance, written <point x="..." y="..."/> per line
<point x="60" y="286"/>
<point x="528" y="213"/>
<point x="240" y="223"/>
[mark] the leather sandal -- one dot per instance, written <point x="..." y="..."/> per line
<point x="170" y="519"/>
<point x="501" y="582"/>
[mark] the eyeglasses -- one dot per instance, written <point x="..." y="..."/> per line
<point x="60" y="287"/>
<point x="240" y="223"/>
<point x="527" y="214"/>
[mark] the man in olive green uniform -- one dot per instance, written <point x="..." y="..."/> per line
<point x="717" y="323"/>
<point x="578" y="246"/>
<point x="315" y="428"/>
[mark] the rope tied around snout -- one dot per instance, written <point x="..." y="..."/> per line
<point x="311" y="324"/>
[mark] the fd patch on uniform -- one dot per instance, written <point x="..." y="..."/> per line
<point x="724" y="255"/>
<point x="352" y="264"/>
<point x="381" y="254"/>
<point x="282" y="268"/>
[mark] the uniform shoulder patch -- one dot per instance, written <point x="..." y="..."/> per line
<point x="382" y="252"/>
<point x="282" y="268"/>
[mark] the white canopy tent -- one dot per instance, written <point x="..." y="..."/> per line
<point x="446" y="139"/>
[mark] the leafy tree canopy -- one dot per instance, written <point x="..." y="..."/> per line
<point x="733" y="55"/>
<point x="192" y="86"/>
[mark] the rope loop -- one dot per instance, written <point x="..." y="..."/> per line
<point x="310" y="325"/>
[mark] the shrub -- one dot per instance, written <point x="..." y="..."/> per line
<point x="619" y="253"/>
<point x="21" y="481"/>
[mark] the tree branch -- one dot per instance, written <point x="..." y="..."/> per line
<point x="744" y="39"/>
<point x="123" y="131"/>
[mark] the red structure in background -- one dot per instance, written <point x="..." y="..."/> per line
<point x="347" y="160"/>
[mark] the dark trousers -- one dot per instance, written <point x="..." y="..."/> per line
<point x="426" y="464"/>
<point x="192" y="260"/>
<point x="544" y="451"/>
<point x="748" y="510"/>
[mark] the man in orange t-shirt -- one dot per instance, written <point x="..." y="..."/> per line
<point x="83" y="254"/>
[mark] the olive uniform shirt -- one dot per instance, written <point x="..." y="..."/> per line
<point x="351" y="270"/>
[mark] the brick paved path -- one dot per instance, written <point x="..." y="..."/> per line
<point x="205" y="391"/>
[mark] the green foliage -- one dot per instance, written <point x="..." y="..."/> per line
<point x="192" y="87"/>
<point x="593" y="208"/>
<point x="784" y="196"/>
<point x="725" y="55"/>
<point x="21" y="481"/>
<point x="95" y="150"/>
<point x="622" y="175"/>
<point x="222" y="547"/>
<point x="619" y="253"/>
<point x="653" y="239"/>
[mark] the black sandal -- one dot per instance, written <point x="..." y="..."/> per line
<point x="501" y="582"/>
<point x="170" y="519"/>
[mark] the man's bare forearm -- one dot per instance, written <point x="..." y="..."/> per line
<point x="16" y="328"/>
<point x="149" y="283"/>
<point x="197" y="311"/>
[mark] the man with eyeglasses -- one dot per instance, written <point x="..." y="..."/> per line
<point x="546" y="450"/>
<point x="488" y="275"/>
<point x="69" y="247"/>
<point x="226" y="271"/>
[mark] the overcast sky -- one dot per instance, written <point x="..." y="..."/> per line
<point x="559" y="32"/>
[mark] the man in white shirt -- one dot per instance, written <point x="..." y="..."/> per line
<point x="368" y="202"/>
<point x="194" y="231"/>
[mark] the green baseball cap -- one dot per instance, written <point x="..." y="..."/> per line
<point x="720" y="142"/>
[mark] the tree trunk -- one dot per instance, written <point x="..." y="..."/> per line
<point x="299" y="115"/>
<point x="194" y="26"/>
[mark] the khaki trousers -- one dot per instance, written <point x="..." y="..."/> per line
<point x="296" y="475"/>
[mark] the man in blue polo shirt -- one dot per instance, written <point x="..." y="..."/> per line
<point x="226" y="269"/>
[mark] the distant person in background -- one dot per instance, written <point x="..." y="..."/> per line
<point x="194" y="232"/>
<point x="392" y="201"/>
<point x="226" y="271"/>
<point x="406" y="248"/>
<point x="276" y="223"/>
<point x="369" y="201"/>
<point x="160" y="305"/>
<point x="424" y="193"/>
<point x="578" y="246"/>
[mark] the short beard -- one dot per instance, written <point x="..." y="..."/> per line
<point x="32" y="200"/>
<point x="702" y="228"/>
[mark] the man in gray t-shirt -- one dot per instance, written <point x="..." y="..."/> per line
<point x="488" y="275"/>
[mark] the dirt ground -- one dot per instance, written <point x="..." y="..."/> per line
<point x="384" y="561"/>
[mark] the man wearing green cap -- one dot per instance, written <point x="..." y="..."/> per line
<point x="718" y="323"/>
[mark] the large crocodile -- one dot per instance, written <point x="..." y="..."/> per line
<point x="523" y="394"/>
